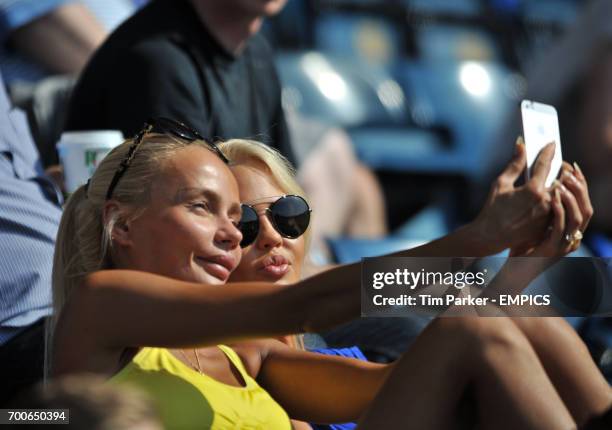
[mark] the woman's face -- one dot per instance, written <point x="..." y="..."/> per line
<point x="271" y="258"/>
<point x="188" y="231"/>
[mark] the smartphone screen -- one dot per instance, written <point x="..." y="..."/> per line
<point x="540" y="127"/>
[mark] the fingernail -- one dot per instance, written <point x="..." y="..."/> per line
<point x="518" y="145"/>
<point x="557" y="195"/>
<point x="577" y="167"/>
<point x="556" y="184"/>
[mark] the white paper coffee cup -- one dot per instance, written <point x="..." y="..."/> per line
<point x="80" y="152"/>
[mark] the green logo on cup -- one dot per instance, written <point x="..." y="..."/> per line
<point x="90" y="158"/>
<point x="93" y="157"/>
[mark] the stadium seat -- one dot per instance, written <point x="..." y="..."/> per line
<point x="470" y="98"/>
<point x="560" y="12"/>
<point x="444" y="7"/>
<point x="368" y="38"/>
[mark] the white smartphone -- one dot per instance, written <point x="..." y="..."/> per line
<point x="540" y="127"/>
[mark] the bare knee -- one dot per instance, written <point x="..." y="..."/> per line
<point x="535" y="325"/>
<point x="541" y="330"/>
<point x="484" y="339"/>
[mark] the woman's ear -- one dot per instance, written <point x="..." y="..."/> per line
<point x="115" y="215"/>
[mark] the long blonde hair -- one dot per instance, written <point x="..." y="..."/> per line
<point x="84" y="243"/>
<point x="255" y="154"/>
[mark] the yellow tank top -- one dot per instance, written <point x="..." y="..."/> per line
<point x="187" y="399"/>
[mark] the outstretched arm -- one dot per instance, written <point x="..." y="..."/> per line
<point x="148" y="309"/>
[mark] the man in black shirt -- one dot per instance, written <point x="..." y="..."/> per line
<point x="197" y="61"/>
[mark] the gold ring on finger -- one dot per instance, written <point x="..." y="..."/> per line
<point x="577" y="236"/>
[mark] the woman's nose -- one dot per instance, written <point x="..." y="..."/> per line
<point x="228" y="234"/>
<point x="268" y="236"/>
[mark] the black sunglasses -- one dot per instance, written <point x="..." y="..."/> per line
<point x="164" y="126"/>
<point x="290" y="216"/>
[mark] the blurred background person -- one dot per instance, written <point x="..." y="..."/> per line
<point x="198" y="61"/>
<point x="44" y="46"/>
<point x="30" y="211"/>
<point x="47" y="38"/>
<point x="93" y="404"/>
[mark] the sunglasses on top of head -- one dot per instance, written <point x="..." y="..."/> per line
<point x="290" y="216"/>
<point x="164" y="126"/>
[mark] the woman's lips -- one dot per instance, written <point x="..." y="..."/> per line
<point x="220" y="266"/>
<point x="276" y="271"/>
<point x="274" y="266"/>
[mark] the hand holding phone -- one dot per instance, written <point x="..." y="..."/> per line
<point x="541" y="127"/>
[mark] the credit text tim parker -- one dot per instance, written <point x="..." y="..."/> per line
<point x="469" y="300"/>
<point x="413" y="279"/>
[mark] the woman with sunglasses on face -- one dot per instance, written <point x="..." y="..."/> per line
<point x="140" y="259"/>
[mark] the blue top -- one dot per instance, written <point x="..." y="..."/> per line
<point x="29" y="217"/>
<point x="352" y="352"/>
<point x="601" y="245"/>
